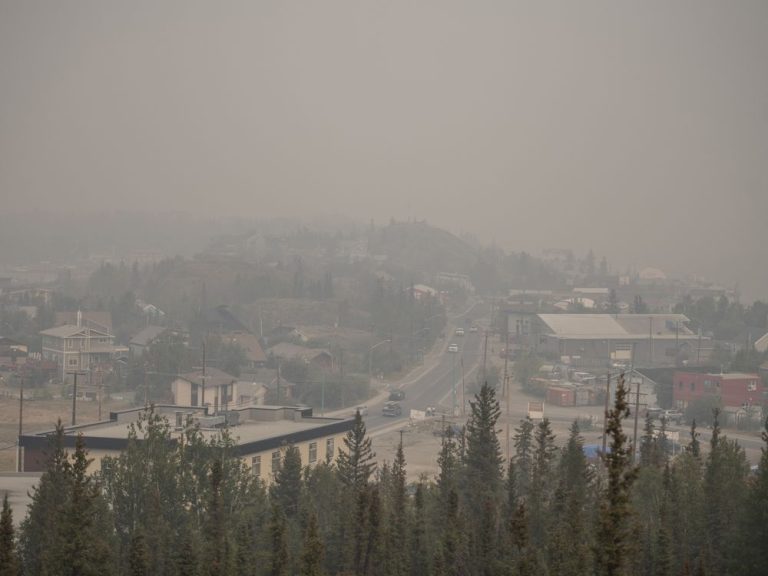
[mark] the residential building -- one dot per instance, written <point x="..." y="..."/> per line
<point x="213" y="388"/>
<point x="143" y="339"/>
<point x="12" y="353"/>
<point x="77" y="347"/>
<point x="94" y="318"/>
<point x="262" y="434"/>
<point x="251" y="346"/>
<point x="316" y="357"/>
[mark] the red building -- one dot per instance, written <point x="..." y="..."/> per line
<point x="735" y="389"/>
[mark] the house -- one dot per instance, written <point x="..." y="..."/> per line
<point x="77" y="347"/>
<point x="735" y="389"/>
<point x="596" y="340"/>
<point x="94" y="318"/>
<point x="250" y="345"/>
<point x="12" y="353"/>
<point x="316" y="357"/>
<point x="761" y="344"/>
<point x="213" y="388"/>
<point x="142" y="340"/>
<point x="263" y="432"/>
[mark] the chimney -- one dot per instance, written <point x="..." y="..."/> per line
<point x="79" y="318"/>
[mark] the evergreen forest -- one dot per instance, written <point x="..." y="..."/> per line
<point x="192" y="507"/>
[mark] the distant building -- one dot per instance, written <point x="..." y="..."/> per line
<point x="761" y="344"/>
<point x="143" y="339"/>
<point x="317" y="357"/>
<point x="250" y="345"/>
<point x="735" y="390"/>
<point x="594" y="340"/>
<point x="214" y="388"/>
<point x="76" y="347"/>
<point x="262" y="432"/>
<point x="12" y="352"/>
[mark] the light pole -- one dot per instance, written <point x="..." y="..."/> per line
<point x="370" y="357"/>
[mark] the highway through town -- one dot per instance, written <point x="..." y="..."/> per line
<point x="441" y="375"/>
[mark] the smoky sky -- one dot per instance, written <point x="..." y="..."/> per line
<point x="638" y="129"/>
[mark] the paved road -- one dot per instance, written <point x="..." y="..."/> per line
<point x="434" y="386"/>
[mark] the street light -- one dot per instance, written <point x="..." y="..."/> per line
<point x="370" y="357"/>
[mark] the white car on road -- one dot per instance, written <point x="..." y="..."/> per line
<point x="453" y="348"/>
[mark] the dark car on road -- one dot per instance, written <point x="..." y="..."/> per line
<point x="396" y="395"/>
<point x="392" y="409"/>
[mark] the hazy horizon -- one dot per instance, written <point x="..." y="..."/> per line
<point x="639" y="130"/>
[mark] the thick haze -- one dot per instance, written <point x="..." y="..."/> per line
<point x="639" y="129"/>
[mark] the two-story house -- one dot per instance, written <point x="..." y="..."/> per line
<point x="79" y="347"/>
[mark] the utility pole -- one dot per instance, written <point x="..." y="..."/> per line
<point x="75" y="373"/>
<point x="279" y="392"/>
<point x="101" y="382"/>
<point x="202" y="388"/>
<point x="463" y="393"/>
<point x="607" y="398"/>
<point x="341" y="376"/>
<point x="506" y="385"/>
<point x="19" y="463"/>
<point x="453" y="385"/>
<point x="650" y="341"/>
<point x="637" y="413"/>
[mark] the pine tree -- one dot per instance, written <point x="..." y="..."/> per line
<point x="278" y="560"/>
<point x="523" y="441"/>
<point x="41" y="541"/>
<point x="541" y="476"/>
<point x="288" y="482"/>
<point x="397" y="527"/>
<point x="755" y="556"/>
<point x="312" y="550"/>
<point x="569" y="545"/>
<point x="88" y="524"/>
<point x="613" y="544"/>
<point x="9" y="561"/>
<point x="482" y="463"/>
<point x="138" y="561"/>
<point x="419" y="546"/>
<point x="356" y="462"/>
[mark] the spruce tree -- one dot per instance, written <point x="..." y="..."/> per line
<point x="755" y="554"/>
<point x="613" y="552"/>
<point x="312" y="549"/>
<point x="286" y="489"/>
<point x="41" y="541"/>
<point x="419" y="545"/>
<point x="9" y="561"/>
<point x="397" y="527"/>
<point x="138" y="562"/>
<point x="541" y="485"/>
<point x="355" y="462"/>
<point x="279" y="563"/>
<point x="523" y="441"/>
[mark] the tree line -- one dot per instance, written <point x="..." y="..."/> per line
<point x="193" y="507"/>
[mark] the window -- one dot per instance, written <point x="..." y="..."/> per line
<point x="256" y="466"/>
<point x="329" y="450"/>
<point x="312" y="452"/>
<point x="73" y="361"/>
<point x="276" y="462"/>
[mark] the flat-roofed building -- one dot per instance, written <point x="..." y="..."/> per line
<point x="261" y="432"/>
<point x="598" y="340"/>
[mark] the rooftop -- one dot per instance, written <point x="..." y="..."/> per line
<point x="617" y="326"/>
<point x="258" y="427"/>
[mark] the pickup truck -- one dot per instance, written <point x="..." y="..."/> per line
<point x="392" y="409"/>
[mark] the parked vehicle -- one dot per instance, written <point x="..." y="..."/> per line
<point x="674" y="416"/>
<point x="397" y="395"/>
<point x="392" y="409"/>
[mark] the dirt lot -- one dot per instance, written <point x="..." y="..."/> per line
<point x="42" y="415"/>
